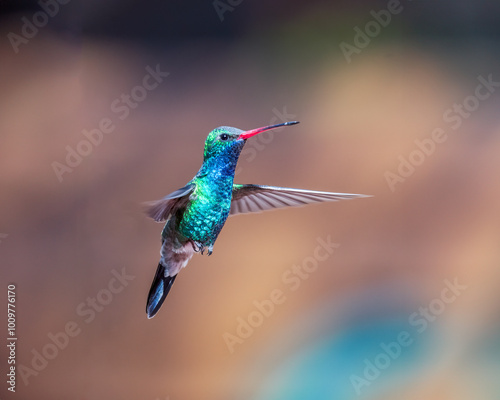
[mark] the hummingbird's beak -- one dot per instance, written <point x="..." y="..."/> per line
<point x="253" y="132"/>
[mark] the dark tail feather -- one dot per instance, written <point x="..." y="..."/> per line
<point x="159" y="289"/>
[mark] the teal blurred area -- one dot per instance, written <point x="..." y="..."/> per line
<point x="344" y="349"/>
<point x="107" y="105"/>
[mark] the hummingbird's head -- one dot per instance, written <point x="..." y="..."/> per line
<point x="226" y="141"/>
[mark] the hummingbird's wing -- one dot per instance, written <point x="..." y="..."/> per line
<point x="257" y="198"/>
<point x="160" y="210"/>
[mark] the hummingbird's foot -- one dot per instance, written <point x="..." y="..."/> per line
<point x="210" y="250"/>
<point x="198" y="248"/>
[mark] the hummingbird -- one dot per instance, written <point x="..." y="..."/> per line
<point x="195" y="214"/>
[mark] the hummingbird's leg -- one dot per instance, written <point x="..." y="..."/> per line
<point x="196" y="247"/>
<point x="210" y="250"/>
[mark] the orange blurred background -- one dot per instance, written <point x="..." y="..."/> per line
<point x="409" y="118"/>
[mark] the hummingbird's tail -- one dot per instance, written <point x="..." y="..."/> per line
<point x="174" y="256"/>
<point x="159" y="289"/>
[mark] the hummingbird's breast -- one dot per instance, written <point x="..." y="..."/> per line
<point x="208" y="209"/>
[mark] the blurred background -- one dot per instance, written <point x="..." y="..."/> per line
<point x="105" y="105"/>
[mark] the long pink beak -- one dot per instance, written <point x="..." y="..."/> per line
<point x="253" y="132"/>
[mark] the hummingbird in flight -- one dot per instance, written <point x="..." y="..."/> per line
<point x="195" y="214"/>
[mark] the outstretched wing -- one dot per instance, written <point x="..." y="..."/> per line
<point x="257" y="198"/>
<point x="160" y="210"/>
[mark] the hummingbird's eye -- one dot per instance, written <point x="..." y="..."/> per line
<point x="224" y="136"/>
